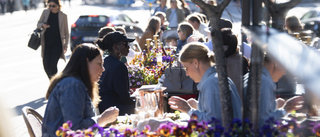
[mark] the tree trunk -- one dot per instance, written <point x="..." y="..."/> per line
<point x="214" y="14"/>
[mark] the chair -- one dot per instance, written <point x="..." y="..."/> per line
<point x="33" y="121"/>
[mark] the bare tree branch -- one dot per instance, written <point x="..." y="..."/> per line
<point x="278" y="12"/>
<point x="214" y="14"/>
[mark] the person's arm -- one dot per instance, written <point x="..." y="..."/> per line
<point x="66" y="33"/>
<point x="168" y="12"/>
<point x="293" y="104"/>
<point x="235" y="100"/>
<point x="280" y="102"/>
<point x="193" y="103"/>
<point x="180" y="15"/>
<point x="121" y="86"/>
<point x="41" y="20"/>
<point x="210" y="102"/>
<point x="108" y="116"/>
<point x="267" y="107"/>
<point x="73" y="104"/>
<point x="142" y="41"/>
<point x="178" y="103"/>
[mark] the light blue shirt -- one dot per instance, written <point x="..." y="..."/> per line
<point x="209" y="97"/>
<point x="173" y="19"/>
<point x="246" y="50"/>
<point x="69" y="100"/>
<point x="209" y="44"/>
<point x="268" y="105"/>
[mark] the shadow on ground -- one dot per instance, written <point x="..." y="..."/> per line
<point x="35" y="104"/>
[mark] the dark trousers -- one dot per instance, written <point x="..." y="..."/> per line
<point x="2" y="7"/>
<point x="25" y="8"/>
<point x="11" y="7"/>
<point x="50" y="60"/>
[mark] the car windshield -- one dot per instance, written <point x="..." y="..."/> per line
<point x="93" y="19"/>
<point x="127" y="19"/>
<point x="308" y="15"/>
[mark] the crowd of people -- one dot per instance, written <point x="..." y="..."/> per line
<point x="94" y="85"/>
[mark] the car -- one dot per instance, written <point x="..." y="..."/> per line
<point x="193" y="7"/>
<point x="311" y="21"/>
<point x="110" y="2"/>
<point x="86" y="27"/>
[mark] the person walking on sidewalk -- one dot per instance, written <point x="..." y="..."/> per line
<point x="162" y="7"/>
<point x="54" y="36"/>
<point x="11" y="6"/>
<point x="3" y="4"/>
<point x="174" y="15"/>
<point x="33" y="4"/>
<point x="25" y="4"/>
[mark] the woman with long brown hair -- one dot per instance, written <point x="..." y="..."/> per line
<point x="153" y="28"/>
<point x="185" y="30"/>
<point x="72" y="93"/>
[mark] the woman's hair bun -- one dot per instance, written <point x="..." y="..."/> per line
<point x="100" y="44"/>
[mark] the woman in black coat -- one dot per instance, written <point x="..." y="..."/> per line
<point x="114" y="84"/>
<point x="54" y="36"/>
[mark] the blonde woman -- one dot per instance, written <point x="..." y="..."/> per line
<point x="199" y="63"/>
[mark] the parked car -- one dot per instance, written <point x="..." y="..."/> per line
<point x="311" y="21"/>
<point x="110" y="2"/>
<point x="193" y="7"/>
<point x="85" y="29"/>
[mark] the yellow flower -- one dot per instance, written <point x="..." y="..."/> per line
<point x="65" y="125"/>
<point x="146" y="129"/>
<point x="58" y="132"/>
<point x="88" y="133"/>
<point x="165" y="132"/>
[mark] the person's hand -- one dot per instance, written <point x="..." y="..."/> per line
<point x="280" y="102"/>
<point x="45" y="26"/>
<point x="193" y="103"/>
<point x="180" y="104"/>
<point x="108" y="116"/>
<point x="293" y="103"/>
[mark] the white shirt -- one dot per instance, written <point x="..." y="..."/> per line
<point x="202" y="29"/>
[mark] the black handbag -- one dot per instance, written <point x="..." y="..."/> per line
<point x="34" y="41"/>
<point x="176" y="81"/>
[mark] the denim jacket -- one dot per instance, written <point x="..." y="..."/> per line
<point x="268" y="105"/>
<point x="69" y="100"/>
<point x="181" y="43"/>
<point x="209" y="97"/>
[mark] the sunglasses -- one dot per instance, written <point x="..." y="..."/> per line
<point x="123" y="43"/>
<point x="52" y="6"/>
